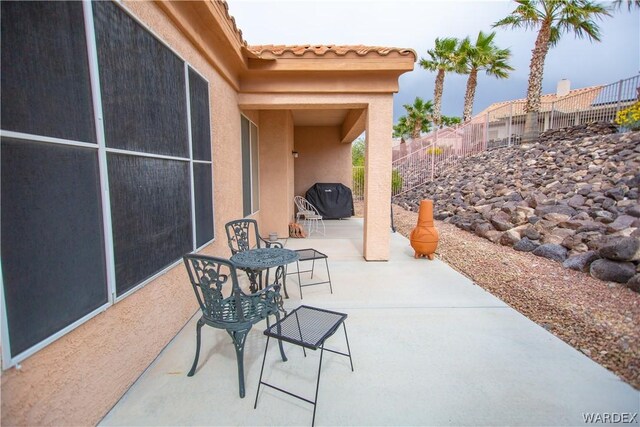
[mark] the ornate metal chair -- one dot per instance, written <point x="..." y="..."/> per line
<point x="242" y="235"/>
<point x="236" y="313"/>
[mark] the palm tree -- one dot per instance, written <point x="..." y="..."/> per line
<point x="402" y="129"/>
<point x="419" y="116"/>
<point x="551" y="18"/>
<point x="443" y="60"/>
<point x="617" y="4"/>
<point x="483" y="55"/>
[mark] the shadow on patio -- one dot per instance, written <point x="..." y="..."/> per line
<point x="429" y="348"/>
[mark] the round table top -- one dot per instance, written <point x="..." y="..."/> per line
<point x="261" y="258"/>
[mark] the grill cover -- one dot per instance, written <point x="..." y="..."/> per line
<point x="333" y="201"/>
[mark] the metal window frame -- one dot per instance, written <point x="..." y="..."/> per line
<point x="102" y="150"/>
<point x="251" y="161"/>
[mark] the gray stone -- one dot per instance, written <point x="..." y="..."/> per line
<point x="532" y="233"/>
<point x="525" y="245"/>
<point x="612" y="271"/>
<point x="576" y="201"/>
<point x="634" y="283"/>
<point x="622" y="249"/>
<point x="620" y="223"/>
<point x="501" y="221"/>
<point x="551" y="251"/>
<point x="581" y="262"/>
<point x="561" y="209"/>
<point x="633" y="211"/>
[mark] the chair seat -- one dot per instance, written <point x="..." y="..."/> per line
<point x="253" y="311"/>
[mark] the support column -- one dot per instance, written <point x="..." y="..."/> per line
<point x="276" y="171"/>
<point x="377" y="181"/>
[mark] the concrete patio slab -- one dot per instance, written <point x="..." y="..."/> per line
<point x="429" y="348"/>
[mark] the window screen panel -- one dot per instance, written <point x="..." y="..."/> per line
<point x="142" y="84"/>
<point x="200" y="119"/>
<point x="53" y="257"/>
<point x="151" y="215"/>
<point x="45" y="71"/>
<point x="246" y="166"/>
<point x="204" y="202"/>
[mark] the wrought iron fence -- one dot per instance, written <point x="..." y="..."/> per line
<point x="420" y="160"/>
<point x="357" y="188"/>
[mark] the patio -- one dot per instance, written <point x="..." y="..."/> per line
<point x="429" y="348"/>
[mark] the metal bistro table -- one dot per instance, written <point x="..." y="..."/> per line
<point x="254" y="261"/>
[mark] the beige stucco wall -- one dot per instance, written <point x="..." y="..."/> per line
<point x="79" y="377"/>
<point x="275" y="140"/>
<point x="322" y="157"/>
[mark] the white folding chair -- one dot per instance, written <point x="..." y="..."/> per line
<point x="310" y="215"/>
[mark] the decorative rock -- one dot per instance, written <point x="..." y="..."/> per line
<point x="501" y="221"/>
<point x="612" y="271"/>
<point x="561" y="209"/>
<point x="525" y="245"/>
<point x="633" y="211"/>
<point x="620" y="223"/>
<point x="509" y="238"/>
<point x="576" y="201"/>
<point x="581" y="262"/>
<point x="532" y="233"/>
<point x="634" y="283"/>
<point x="622" y="249"/>
<point x="551" y="251"/>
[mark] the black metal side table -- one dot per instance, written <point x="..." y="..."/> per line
<point x="307" y="327"/>
<point x="311" y="255"/>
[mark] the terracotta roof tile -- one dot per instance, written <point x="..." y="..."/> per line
<point x="547" y="99"/>
<point x="322" y="50"/>
<point x="231" y="20"/>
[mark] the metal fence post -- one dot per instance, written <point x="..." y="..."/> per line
<point x="433" y="154"/>
<point x="619" y="96"/>
<point x="553" y="109"/>
<point x="509" y="129"/>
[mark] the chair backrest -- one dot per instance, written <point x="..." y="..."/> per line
<point x="242" y="235"/>
<point x="304" y="205"/>
<point x="209" y="276"/>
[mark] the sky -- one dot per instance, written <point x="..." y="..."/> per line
<point x="416" y="24"/>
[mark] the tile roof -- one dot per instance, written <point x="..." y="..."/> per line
<point x="322" y="50"/>
<point x="583" y="98"/>
<point x="231" y="20"/>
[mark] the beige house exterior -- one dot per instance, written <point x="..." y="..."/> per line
<point x="314" y="100"/>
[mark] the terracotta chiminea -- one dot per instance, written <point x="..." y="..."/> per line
<point x="424" y="238"/>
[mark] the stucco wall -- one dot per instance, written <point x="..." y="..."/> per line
<point x="79" y="377"/>
<point x="322" y="157"/>
<point x="276" y="171"/>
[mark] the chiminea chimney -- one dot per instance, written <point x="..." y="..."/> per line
<point x="563" y="88"/>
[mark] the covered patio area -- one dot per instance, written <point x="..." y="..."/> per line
<point x="429" y="348"/>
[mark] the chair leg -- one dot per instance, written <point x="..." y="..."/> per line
<point x="299" y="280"/>
<point x="326" y="263"/>
<point x="195" y="361"/>
<point x="284" y="357"/>
<point x="239" y="338"/>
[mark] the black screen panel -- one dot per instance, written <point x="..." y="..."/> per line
<point x="200" y="119"/>
<point x="203" y="191"/>
<point x="246" y="166"/>
<point x="53" y="258"/>
<point x="45" y="71"/>
<point x="143" y="86"/>
<point x="151" y="215"/>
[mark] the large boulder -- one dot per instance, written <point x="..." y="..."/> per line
<point x="612" y="271"/>
<point x="581" y="262"/>
<point x="551" y="251"/>
<point x="621" y="249"/>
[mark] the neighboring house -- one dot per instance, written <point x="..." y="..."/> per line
<point x="131" y="132"/>
<point x="567" y="106"/>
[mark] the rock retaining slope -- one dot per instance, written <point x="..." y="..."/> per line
<point x="569" y="198"/>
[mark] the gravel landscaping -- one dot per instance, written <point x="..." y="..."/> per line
<point x="601" y="319"/>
